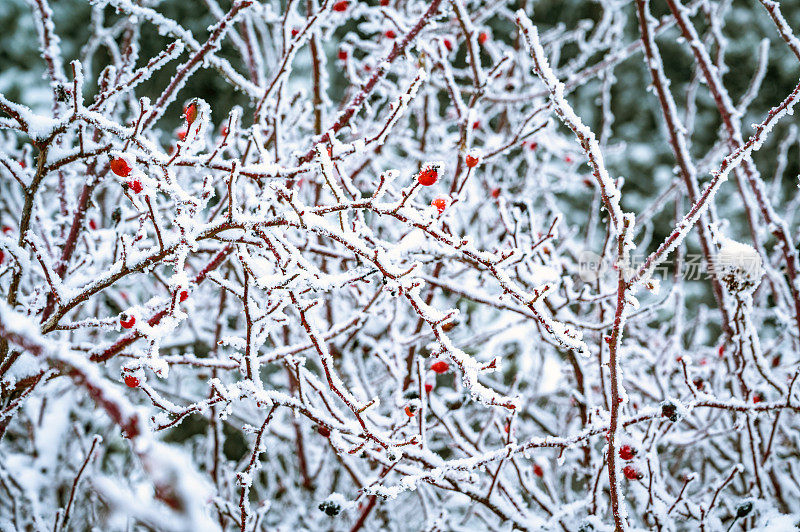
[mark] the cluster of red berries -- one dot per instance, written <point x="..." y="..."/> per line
<point x="121" y="168"/>
<point x="439" y="367"/>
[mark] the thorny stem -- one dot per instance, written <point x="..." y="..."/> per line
<point x="89" y="456"/>
<point x="24" y="225"/>
<point x="617" y="510"/>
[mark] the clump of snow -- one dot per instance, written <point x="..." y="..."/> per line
<point x="738" y="266"/>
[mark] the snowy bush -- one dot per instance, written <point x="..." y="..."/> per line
<point x="399" y="265"/>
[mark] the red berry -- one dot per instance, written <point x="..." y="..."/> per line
<point x="568" y="159"/>
<point x="224" y="131"/>
<point x="721" y="350"/>
<point x="190" y="113"/>
<point x="440" y="366"/>
<point x="626" y="452"/>
<point x="476" y="124"/>
<point x="428" y="387"/>
<point x="324" y="431"/>
<point x="384" y="3"/>
<point x="537" y="470"/>
<point x="341" y="6"/>
<point x="294" y="32"/>
<point x="471" y="161"/>
<point x="3" y="257"/>
<point x="120" y="167"/>
<point x="135" y="185"/>
<point x="533" y="145"/>
<point x="183" y="296"/>
<point x="631" y="473"/>
<point x="343" y="55"/>
<point x="22" y="163"/>
<point x="428" y="176"/>
<point x="440" y="204"/>
<point x="495" y="192"/>
<point x="390" y="34"/>
<point x="6" y="229"/>
<point x="131" y="381"/>
<point x="757" y="398"/>
<point x="483" y="37"/>
<point x="448" y="44"/>
<point x="127" y="321"/>
<point x="182" y="134"/>
<point x="409" y="411"/>
<point x="92" y="225"/>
